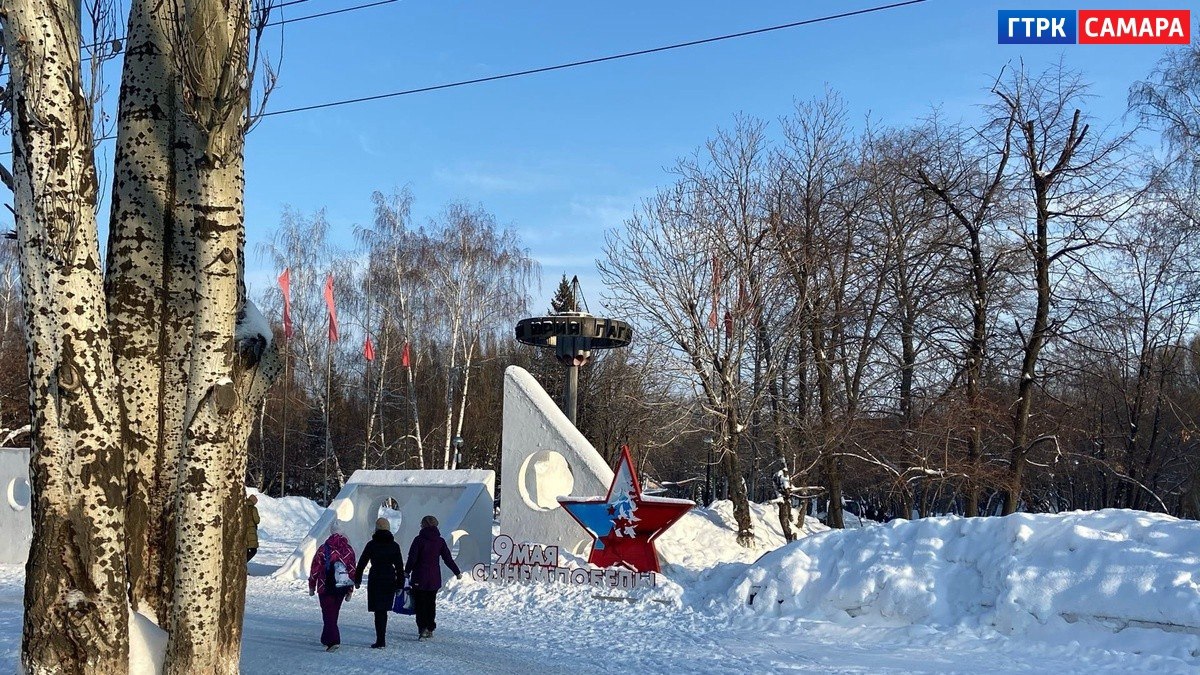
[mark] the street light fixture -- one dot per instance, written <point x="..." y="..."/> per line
<point x="573" y="336"/>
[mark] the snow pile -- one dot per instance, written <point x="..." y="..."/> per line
<point x="701" y="559"/>
<point x="1021" y="574"/>
<point x="282" y="522"/>
<point x="1065" y="582"/>
<point x="707" y="537"/>
<point x="147" y="644"/>
<point x="285" y="519"/>
<point x="252" y="325"/>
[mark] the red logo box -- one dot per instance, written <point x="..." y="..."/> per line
<point x="1135" y="26"/>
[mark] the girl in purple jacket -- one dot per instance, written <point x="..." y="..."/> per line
<point x="425" y="575"/>
<point x="335" y="549"/>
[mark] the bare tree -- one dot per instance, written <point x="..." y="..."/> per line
<point x="967" y="173"/>
<point x="1070" y="183"/>
<point x="915" y="241"/>
<point x="815" y="231"/>
<point x="675" y="271"/>
<point x="301" y="245"/>
<point x="479" y="275"/>
<point x="398" y="266"/>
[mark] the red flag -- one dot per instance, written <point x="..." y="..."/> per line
<point x="369" y="349"/>
<point x="333" y="326"/>
<point x="728" y="325"/>
<point x="716" y="291"/>
<point x="405" y="356"/>
<point x="285" y="285"/>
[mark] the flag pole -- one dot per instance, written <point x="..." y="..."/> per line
<point x="332" y="338"/>
<point x="328" y="405"/>
<point x="328" y="377"/>
<point x="286" y="394"/>
<point x="370" y="398"/>
<point x="285" y="289"/>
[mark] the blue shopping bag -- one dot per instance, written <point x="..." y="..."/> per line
<point x="403" y="603"/>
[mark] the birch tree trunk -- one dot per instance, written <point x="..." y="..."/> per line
<point x="414" y="410"/>
<point x="149" y="306"/>
<point x="190" y="383"/>
<point x="212" y="42"/>
<point x="462" y="398"/>
<point x="454" y="338"/>
<point x="76" y="619"/>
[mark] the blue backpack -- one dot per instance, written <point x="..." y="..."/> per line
<point x="330" y="582"/>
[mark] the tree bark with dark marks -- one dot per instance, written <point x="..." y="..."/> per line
<point x="75" y="619"/>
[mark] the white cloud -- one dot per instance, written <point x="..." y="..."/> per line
<point x="605" y="212"/>
<point x="367" y="145"/>
<point x="491" y="179"/>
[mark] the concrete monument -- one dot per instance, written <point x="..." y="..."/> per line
<point x="461" y="500"/>
<point x="543" y="457"/>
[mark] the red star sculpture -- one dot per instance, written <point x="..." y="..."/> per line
<point x="625" y="524"/>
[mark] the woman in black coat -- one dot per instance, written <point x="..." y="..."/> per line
<point x="387" y="575"/>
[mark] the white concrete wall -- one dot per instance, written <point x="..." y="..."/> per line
<point x="16" y="523"/>
<point x="460" y="500"/>
<point x="544" y="457"/>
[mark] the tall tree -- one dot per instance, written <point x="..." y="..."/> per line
<point x="564" y="298"/>
<point x="175" y="268"/>
<point x="75" y="608"/>
<point x="967" y="174"/>
<point x="405" y="280"/>
<point x="1070" y="183"/>
<point x="674" y="271"/>
<point x="815" y="231"/>
<point x="480" y="274"/>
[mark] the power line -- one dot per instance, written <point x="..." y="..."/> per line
<point x="329" y="13"/>
<point x="588" y="62"/>
<point x="561" y="66"/>
<point x="273" y="7"/>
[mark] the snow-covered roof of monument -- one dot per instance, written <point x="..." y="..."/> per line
<point x="421" y="478"/>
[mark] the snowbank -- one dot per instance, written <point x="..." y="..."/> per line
<point x="700" y="553"/>
<point x="1027" y="574"/>
<point x="707" y="537"/>
<point x="285" y="519"/>
<point x="1066" y="579"/>
<point x="283" y="522"/>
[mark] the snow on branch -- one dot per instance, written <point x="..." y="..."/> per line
<point x="253" y="334"/>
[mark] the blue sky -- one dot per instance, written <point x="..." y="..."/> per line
<point x="564" y="156"/>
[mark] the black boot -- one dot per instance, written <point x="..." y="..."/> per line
<point x="380" y="630"/>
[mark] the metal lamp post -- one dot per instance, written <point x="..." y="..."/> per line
<point x="708" y="496"/>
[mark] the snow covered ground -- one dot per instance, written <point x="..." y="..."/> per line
<point x="1105" y="592"/>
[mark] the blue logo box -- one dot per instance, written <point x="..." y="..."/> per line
<point x="1036" y="26"/>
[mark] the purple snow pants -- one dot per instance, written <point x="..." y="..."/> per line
<point x="331" y="606"/>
